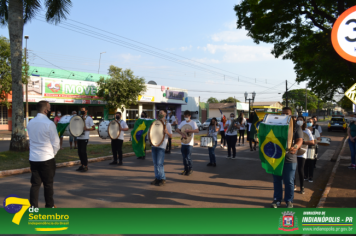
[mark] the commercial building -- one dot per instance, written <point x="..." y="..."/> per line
<point x="227" y="109"/>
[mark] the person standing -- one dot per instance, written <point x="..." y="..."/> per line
<point x="289" y="168"/>
<point x="222" y="131"/>
<point x="318" y="127"/>
<point x="158" y="152"/>
<point x="242" y="122"/>
<point x="351" y="132"/>
<point x="172" y="120"/>
<point x="213" y="132"/>
<point x="84" y="139"/>
<point x="116" y="144"/>
<point x="72" y="138"/>
<point x="251" y="140"/>
<point x="143" y="116"/>
<point x="309" y="163"/>
<point x="57" y="118"/>
<point x="231" y="136"/>
<point x="187" y="149"/>
<point x="44" y="145"/>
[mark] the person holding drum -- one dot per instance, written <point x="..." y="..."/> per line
<point x="231" y="136"/>
<point x="172" y="120"/>
<point x="56" y="120"/>
<point x="116" y="144"/>
<point x="186" y="129"/>
<point x="213" y="132"/>
<point x="159" y="151"/>
<point x="84" y="139"/>
<point x="309" y="163"/>
<point x="222" y="132"/>
<point x="242" y="122"/>
<point x="71" y="137"/>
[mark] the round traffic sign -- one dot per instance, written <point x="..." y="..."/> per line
<point x="343" y="35"/>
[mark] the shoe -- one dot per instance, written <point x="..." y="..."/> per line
<point x="225" y="147"/>
<point x="243" y="144"/>
<point x="310" y="180"/>
<point x="154" y="182"/>
<point x="305" y="178"/>
<point x="302" y="190"/>
<point x="139" y="157"/>
<point x="251" y="149"/>
<point x="113" y="163"/>
<point x="143" y="158"/>
<point x="209" y="164"/>
<point x="233" y="158"/>
<point x="71" y="148"/>
<point x="228" y="157"/>
<point x="221" y="146"/>
<point x="214" y="164"/>
<point x="85" y="169"/>
<point x="189" y="172"/>
<point x="255" y="149"/>
<point x="120" y="163"/>
<point x="75" y="148"/>
<point x="289" y="205"/>
<point x="161" y="182"/>
<point x="276" y="204"/>
<point x="80" y="168"/>
<point x="352" y="166"/>
<point x="238" y="144"/>
<point x="168" y="152"/>
<point x="295" y="187"/>
<point x="184" y="172"/>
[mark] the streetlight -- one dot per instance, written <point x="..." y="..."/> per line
<point x="99" y="60"/>
<point x="299" y="109"/>
<point x="26" y="37"/>
<point x="250" y="99"/>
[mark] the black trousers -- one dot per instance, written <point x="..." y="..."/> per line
<point x="242" y="134"/>
<point x="223" y="138"/>
<point x="231" y="144"/>
<point x="169" y="145"/>
<point x="42" y="172"/>
<point x="309" y="169"/>
<point x="250" y="139"/>
<point x="82" y="151"/>
<point x="301" y="164"/>
<point x="116" y="147"/>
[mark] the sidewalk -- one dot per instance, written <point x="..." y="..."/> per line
<point x="343" y="189"/>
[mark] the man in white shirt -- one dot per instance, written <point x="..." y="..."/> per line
<point x="171" y="119"/>
<point x="158" y="152"/>
<point x="84" y="139"/>
<point x="231" y="137"/>
<point x="44" y="145"/>
<point x="318" y="127"/>
<point x="187" y="149"/>
<point x="116" y="144"/>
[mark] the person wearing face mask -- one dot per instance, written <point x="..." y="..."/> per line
<point x="231" y="137"/>
<point x="170" y="118"/>
<point x="44" y="145"/>
<point x="84" y="139"/>
<point x="302" y="158"/>
<point x="144" y="116"/>
<point x="187" y="149"/>
<point x="72" y="138"/>
<point x="309" y="163"/>
<point x="222" y="132"/>
<point x="213" y="132"/>
<point x="159" y="152"/>
<point x="116" y="144"/>
<point x="56" y="120"/>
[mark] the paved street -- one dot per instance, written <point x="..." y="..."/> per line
<point x="233" y="183"/>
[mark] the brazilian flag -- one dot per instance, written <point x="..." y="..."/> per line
<point x="273" y="145"/>
<point x="61" y="127"/>
<point x="255" y="124"/>
<point x="138" y="135"/>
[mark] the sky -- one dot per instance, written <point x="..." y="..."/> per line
<point x="186" y="44"/>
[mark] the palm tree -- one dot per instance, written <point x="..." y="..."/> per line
<point x="16" y="13"/>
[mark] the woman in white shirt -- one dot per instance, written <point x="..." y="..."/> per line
<point x="242" y="123"/>
<point x="213" y="132"/>
<point x="309" y="163"/>
<point x="301" y="158"/>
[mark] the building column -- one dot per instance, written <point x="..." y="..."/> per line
<point x="139" y="110"/>
<point x="154" y="110"/>
<point x="179" y="113"/>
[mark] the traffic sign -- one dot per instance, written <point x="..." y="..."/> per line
<point x="351" y="93"/>
<point x="343" y="35"/>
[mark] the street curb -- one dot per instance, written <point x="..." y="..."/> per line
<point x="331" y="180"/>
<point x="8" y="139"/>
<point x="63" y="164"/>
<point x="338" y="150"/>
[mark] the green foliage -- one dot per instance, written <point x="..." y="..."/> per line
<point x="212" y="100"/>
<point x="301" y="31"/>
<point x="121" y="89"/>
<point x="345" y="103"/>
<point x="229" y="100"/>
<point x="5" y="71"/>
<point x="296" y="98"/>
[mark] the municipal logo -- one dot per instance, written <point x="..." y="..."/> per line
<point x="288" y="222"/>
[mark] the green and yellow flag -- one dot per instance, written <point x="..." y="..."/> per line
<point x="61" y="127"/>
<point x="255" y="124"/>
<point x="273" y="145"/>
<point x="138" y="135"/>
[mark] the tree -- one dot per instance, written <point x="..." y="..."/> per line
<point x="5" y="71"/>
<point x="345" y="103"/>
<point x="121" y="89"/>
<point x="296" y="97"/>
<point x="301" y="31"/>
<point x="16" y="13"/>
<point x="212" y="100"/>
<point x="229" y="100"/>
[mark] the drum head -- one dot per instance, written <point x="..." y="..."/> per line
<point x="189" y="136"/>
<point x="156" y="133"/>
<point x="303" y="148"/>
<point x="114" y="129"/>
<point x="76" y="126"/>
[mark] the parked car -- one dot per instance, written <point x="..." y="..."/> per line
<point x="200" y="127"/>
<point x="337" y="123"/>
<point x="207" y="122"/>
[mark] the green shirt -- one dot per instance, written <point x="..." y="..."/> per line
<point x="353" y="129"/>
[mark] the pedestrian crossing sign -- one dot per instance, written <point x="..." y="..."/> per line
<point x="351" y="93"/>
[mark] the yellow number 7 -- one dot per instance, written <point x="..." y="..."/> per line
<point x="18" y="201"/>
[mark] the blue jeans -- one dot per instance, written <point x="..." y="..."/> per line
<point x="158" y="160"/>
<point x="353" y="151"/>
<point x="71" y="139"/>
<point x="287" y="177"/>
<point x="212" y="153"/>
<point x="186" y="153"/>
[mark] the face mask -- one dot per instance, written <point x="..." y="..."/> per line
<point x="231" y="118"/>
<point x="309" y="124"/>
<point x="48" y="114"/>
<point x="187" y="119"/>
<point x="59" y="114"/>
<point x="118" y="117"/>
<point x="169" y="112"/>
<point x="82" y="113"/>
<point x="300" y="122"/>
<point x="74" y="114"/>
<point x="160" y="116"/>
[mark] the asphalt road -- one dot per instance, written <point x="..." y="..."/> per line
<point x="233" y="183"/>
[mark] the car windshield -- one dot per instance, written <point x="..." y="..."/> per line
<point x="208" y="120"/>
<point x="337" y="119"/>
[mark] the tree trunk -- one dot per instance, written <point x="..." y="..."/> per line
<point x="16" y="22"/>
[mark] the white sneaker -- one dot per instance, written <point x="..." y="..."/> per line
<point x="225" y="147"/>
<point x="233" y="158"/>
<point x="238" y="144"/>
<point x="221" y="146"/>
<point x="228" y="157"/>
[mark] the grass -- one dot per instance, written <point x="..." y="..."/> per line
<point x="14" y="160"/>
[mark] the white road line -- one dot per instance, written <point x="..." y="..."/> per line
<point x="207" y="155"/>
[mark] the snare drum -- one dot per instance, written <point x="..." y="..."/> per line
<point x="103" y="129"/>
<point x="206" y="141"/>
<point x="311" y="153"/>
<point x="324" y="141"/>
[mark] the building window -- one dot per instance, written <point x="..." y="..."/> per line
<point x="3" y="115"/>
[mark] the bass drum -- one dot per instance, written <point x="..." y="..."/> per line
<point x="156" y="133"/>
<point x="114" y="129"/>
<point x="103" y="129"/>
<point x="303" y="148"/>
<point x="76" y="126"/>
<point x="188" y="136"/>
<point x="66" y="120"/>
<point x="272" y="119"/>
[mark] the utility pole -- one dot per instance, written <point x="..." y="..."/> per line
<point x="234" y="106"/>
<point x="100" y="60"/>
<point x="286" y="93"/>
<point x="26" y="37"/>
<point x="306" y="101"/>
<point x="199" y="107"/>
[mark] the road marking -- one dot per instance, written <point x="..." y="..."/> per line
<point x="224" y="157"/>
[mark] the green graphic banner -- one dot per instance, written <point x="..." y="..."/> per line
<point x="174" y="220"/>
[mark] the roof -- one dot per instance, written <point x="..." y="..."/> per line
<point x="221" y="105"/>
<point x="266" y="103"/>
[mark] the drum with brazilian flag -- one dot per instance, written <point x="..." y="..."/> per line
<point x="138" y="136"/>
<point x="273" y="145"/>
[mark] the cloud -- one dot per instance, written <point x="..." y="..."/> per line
<point x="129" y="57"/>
<point x="230" y="36"/>
<point x="186" y="48"/>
